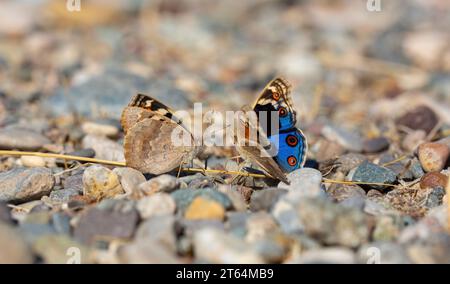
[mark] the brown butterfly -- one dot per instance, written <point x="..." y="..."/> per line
<point x="148" y="145"/>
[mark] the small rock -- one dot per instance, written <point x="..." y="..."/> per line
<point x="332" y="223"/>
<point x="375" y="145"/>
<point x="286" y="215"/>
<point x="236" y="198"/>
<point x="156" y="205"/>
<point x="382" y="253"/>
<point x="32" y="161"/>
<point x="265" y="199"/>
<point x="162" y="183"/>
<point x="13" y="247"/>
<point x="327" y="150"/>
<point x="98" y="128"/>
<point x="350" y="161"/>
<point x="129" y="178"/>
<point x="413" y="139"/>
<point x="341" y="192"/>
<point x="184" y="197"/>
<point x="159" y="230"/>
<point x="304" y="182"/>
<point x="61" y="223"/>
<point x="385" y="229"/>
<point x="23" y="184"/>
<point x="104" y="148"/>
<point x="213" y="246"/>
<point x="331" y="255"/>
<point x="272" y="249"/>
<point x="21" y="139"/>
<point x="433" y="156"/>
<point x="349" y="140"/>
<point x="88" y="153"/>
<point x="146" y="252"/>
<point x="110" y="219"/>
<point x="259" y="225"/>
<point x="435" y="197"/>
<point x="422" y="117"/>
<point x="203" y="208"/>
<point x="433" y="179"/>
<point x="370" y="173"/>
<point x="100" y="182"/>
<point x="237" y="223"/>
<point x="63" y="195"/>
<point x="74" y="182"/>
<point x="416" y="168"/>
<point x="5" y="213"/>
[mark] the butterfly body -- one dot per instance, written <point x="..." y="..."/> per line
<point x="288" y="142"/>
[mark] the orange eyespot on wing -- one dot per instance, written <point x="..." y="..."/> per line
<point x="282" y="112"/>
<point x="292" y="161"/>
<point x="291" y="140"/>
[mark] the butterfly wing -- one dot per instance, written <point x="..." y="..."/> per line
<point x="276" y="97"/>
<point x="148" y="125"/>
<point x="292" y="148"/>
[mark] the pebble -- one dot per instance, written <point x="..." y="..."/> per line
<point x="145" y="252"/>
<point x="236" y="198"/>
<point x="371" y="173"/>
<point x="74" y="182"/>
<point x="385" y="229"/>
<point x="272" y="249"/>
<point x="184" y="197"/>
<point x="5" y="213"/>
<point x="435" y="197"/>
<point x="349" y="140"/>
<point x="203" y="208"/>
<point x="32" y="161"/>
<point x="330" y="255"/>
<point x="341" y="192"/>
<point x="382" y="253"/>
<point x="350" y="161"/>
<point x="328" y="150"/>
<point x="260" y="225"/>
<point x="304" y="182"/>
<point x="130" y="179"/>
<point x="14" y="249"/>
<point x="433" y="179"/>
<point x="163" y="183"/>
<point x="416" y="168"/>
<point x="100" y="182"/>
<point x="413" y="139"/>
<point x="61" y="196"/>
<point x="433" y="156"/>
<point x="159" y="230"/>
<point x="265" y="199"/>
<point x="111" y="219"/>
<point x="16" y="138"/>
<point x="156" y="205"/>
<point x="215" y="247"/>
<point x="237" y="223"/>
<point x="332" y="223"/>
<point x="375" y="145"/>
<point x="25" y="184"/>
<point x="286" y="215"/>
<point x="100" y="128"/>
<point x="88" y="153"/>
<point x="105" y="149"/>
<point x="422" y="117"/>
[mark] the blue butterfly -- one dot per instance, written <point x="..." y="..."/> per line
<point x="287" y="139"/>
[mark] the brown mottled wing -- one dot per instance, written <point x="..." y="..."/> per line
<point x="148" y="146"/>
<point x="141" y="107"/>
<point x="268" y="164"/>
<point x="279" y="88"/>
<point x="254" y="151"/>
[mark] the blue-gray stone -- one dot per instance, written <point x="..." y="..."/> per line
<point x="370" y="173"/>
